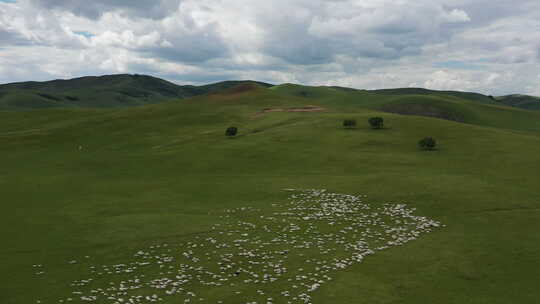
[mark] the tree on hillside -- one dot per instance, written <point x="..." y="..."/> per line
<point x="427" y="143"/>
<point x="349" y="123"/>
<point x="376" y="122"/>
<point x="231" y="131"/>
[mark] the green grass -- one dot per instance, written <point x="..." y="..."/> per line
<point x="124" y="90"/>
<point x="521" y="101"/>
<point x="163" y="173"/>
<point x="469" y="111"/>
<point x="108" y="91"/>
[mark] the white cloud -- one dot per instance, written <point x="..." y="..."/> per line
<point x="443" y="80"/>
<point x="483" y="45"/>
<point x="457" y="15"/>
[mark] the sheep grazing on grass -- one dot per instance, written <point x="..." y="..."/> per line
<point x="281" y="255"/>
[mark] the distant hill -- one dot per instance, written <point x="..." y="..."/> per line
<point x="526" y="102"/>
<point x="126" y="90"/>
<point x="520" y="101"/>
<point x="102" y="92"/>
<point x="420" y="91"/>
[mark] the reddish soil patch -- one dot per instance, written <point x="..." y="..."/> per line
<point x="239" y="89"/>
<point x="301" y="109"/>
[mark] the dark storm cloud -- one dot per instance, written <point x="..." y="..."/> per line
<point x="93" y="9"/>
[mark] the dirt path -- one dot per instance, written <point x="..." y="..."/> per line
<point x="300" y="109"/>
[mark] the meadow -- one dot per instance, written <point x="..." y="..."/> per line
<point x="88" y="188"/>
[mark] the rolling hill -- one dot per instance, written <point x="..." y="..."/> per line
<point x="520" y="101"/>
<point x="126" y="201"/>
<point x="125" y="90"/>
<point x="418" y="102"/>
<point x="101" y="92"/>
<point x="420" y="91"/>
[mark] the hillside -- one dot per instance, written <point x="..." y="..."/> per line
<point x="520" y="101"/>
<point x="126" y="201"/>
<point x="100" y="92"/>
<point x="420" y="91"/>
<point x="461" y="107"/>
<point x="113" y="91"/>
<point x="517" y="100"/>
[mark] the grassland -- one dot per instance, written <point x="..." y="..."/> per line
<point x="126" y="90"/>
<point x="107" y="91"/>
<point x="521" y="101"/>
<point x="107" y="183"/>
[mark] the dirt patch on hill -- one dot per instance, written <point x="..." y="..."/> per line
<point x="296" y="109"/>
<point x="239" y="89"/>
<point x="423" y="110"/>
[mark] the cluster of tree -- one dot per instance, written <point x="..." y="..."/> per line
<point x="231" y="131"/>
<point x="349" y="123"/>
<point x="428" y="143"/>
<point x="374" y="122"/>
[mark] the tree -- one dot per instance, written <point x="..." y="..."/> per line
<point x="427" y="143"/>
<point x="376" y="122"/>
<point x="349" y="123"/>
<point x="231" y="131"/>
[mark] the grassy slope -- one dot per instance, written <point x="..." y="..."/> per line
<point x="521" y="101"/>
<point x="145" y="174"/>
<point x="419" y="91"/>
<point x="104" y="91"/>
<point x="101" y="92"/>
<point x="132" y="90"/>
<point x="470" y="111"/>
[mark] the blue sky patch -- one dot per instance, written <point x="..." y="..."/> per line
<point x="83" y="33"/>
<point x="456" y="64"/>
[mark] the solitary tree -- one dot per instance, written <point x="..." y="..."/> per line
<point x="349" y="123"/>
<point x="376" y="122"/>
<point x="231" y="131"/>
<point x="427" y="143"/>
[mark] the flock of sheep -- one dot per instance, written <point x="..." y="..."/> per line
<point x="282" y="254"/>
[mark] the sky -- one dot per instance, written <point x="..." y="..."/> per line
<point x="487" y="46"/>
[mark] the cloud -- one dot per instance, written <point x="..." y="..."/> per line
<point x="482" y="45"/>
<point x="94" y="9"/>
<point x="442" y="80"/>
<point x="10" y="38"/>
<point x="457" y="15"/>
